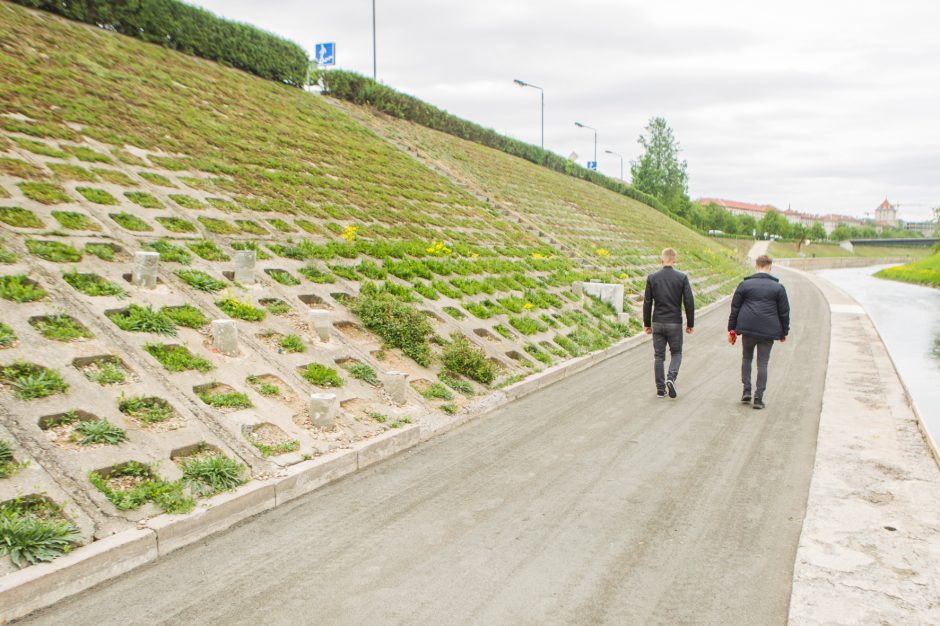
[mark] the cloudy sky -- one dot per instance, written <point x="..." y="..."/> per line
<point x="819" y="105"/>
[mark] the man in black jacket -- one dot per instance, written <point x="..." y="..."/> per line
<point x="760" y="314"/>
<point x="666" y="292"/>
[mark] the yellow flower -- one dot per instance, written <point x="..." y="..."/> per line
<point x="349" y="233"/>
<point x="536" y="255"/>
<point x="528" y="306"/>
<point x="475" y="255"/>
<point x="603" y="252"/>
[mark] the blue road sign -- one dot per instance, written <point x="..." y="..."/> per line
<point x="592" y="165"/>
<point x="326" y="53"/>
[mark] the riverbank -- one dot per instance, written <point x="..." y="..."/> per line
<point x="921" y="272"/>
<point x="870" y="541"/>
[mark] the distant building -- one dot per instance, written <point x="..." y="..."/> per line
<point x="927" y="229"/>
<point x="757" y="211"/>
<point x="734" y="207"/>
<point x="886" y="215"/>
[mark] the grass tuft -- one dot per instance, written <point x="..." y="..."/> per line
<point x="176" y="358"/>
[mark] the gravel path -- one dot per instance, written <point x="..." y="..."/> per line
<point x="591" y="501"/>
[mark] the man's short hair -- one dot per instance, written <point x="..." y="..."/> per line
<point x="669" y="255"/>
<point x="764" y="261"/>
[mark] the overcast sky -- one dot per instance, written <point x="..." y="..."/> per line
<point x="822" y="105"/>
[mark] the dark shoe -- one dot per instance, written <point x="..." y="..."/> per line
<point x="758" y="403"/>
<point x="660" y="394"/>
<point x="746" y="398"/>
<point x="671" y="388"/>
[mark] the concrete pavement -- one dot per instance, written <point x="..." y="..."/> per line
<point x="590" y="501"/>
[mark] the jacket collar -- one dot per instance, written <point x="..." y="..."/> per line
<point x="763" y="275"/>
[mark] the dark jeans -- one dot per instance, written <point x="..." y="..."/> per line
<point x="763" y="358"/>
<point x="666" y="334"/>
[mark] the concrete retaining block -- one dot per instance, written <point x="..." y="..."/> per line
<point x="41" y="585"/>
<point x="223" y="511"/>
<point x="309" y="475"/>
<point x="388" y="444"/>
<point x="245" y="266"/>
<point x="145" y="269"/>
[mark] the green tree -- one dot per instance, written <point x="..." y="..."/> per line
<point x="658" y="171"/>
<point x="773" y="223"/>
<point x="816" y="232"/>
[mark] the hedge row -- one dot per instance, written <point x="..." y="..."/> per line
<point x="191" y="30"/>
<point x="362" y="90"/>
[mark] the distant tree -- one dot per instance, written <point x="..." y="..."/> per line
<point x="659" y="171"/>
<point x="816" y="232"/>
<point x="773" y="223"/>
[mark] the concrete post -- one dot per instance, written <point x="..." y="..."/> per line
<point x="320" y="320"/>
<point x="145" y="269"/>
<point x="577" y="288"/>
<point x="611" y="293"/>
<point x="245" y="267"/>
<point x="225" y="337"/>
<point x="396" y="384"/>
<point x="623" y="318"/>
<point x="322" y="409"/>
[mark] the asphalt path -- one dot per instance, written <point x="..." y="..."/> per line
<point x="591" y="501"/>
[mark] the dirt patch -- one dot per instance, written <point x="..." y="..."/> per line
<point x="421" y="385"/>
<point x="355" y="332"/>
<point x="395" y="360"/>
<point x="125" y="483"/>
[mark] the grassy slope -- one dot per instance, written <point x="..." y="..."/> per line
<point x="787" y="250"/>
<point x="584" y="219"/>
<point x="922" y="272"/>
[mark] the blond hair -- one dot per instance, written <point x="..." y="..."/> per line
<point x="669" y="255"/>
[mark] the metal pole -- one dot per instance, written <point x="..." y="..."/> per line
<point x="374" y="72"/>
<point x="595" y="146"/>
<point x="543" y="118"/>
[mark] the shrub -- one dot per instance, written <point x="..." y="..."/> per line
<point x="169" y="253"/>
<point x="292" y="343"/>
<point x="462" y="357"/>
<point x="143" y="199"/>
<point x="73" y="220"/>
<point x="92" y="284"/>
<point x="7" y="336"/>
<point x="185" y="315"/>
<point x="199" y="280"/>
<point x="321" y="375"/>
<point x="88" y="432"/>
<point x="175" y="358"/>
<point x="32" y="381"/>
<point x="193" y="31"/>
<point x="147" y="409"/>
<point x="208" y="475"/>
<point x="400" y="325"/>
<point x="54" y="251"/>
<point x="142" y="319"/>
<point x="363" y="372"/>
<point x="60" y="327"/>
<point x="208" y="250"/>
<point x="44" y="193"/>
<point x="130" y="222"/>
<point x="31" y="539"/>
<point x="19" y="288"/>
<point x="98" y="196"/>
<point x="233" y="307"/>
<point x="176" y="224"/>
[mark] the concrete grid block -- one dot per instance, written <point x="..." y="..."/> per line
<point x="396" y="384"/>
<point x="245" y="266"/>
<point x="145" y="269"/>
<point x="322" y="409"/>
<point x="225" y="337"/>
<point x="320" y="321"/>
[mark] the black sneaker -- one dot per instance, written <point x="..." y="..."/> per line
<point x="661" y="393"/>
<point x="671" y="388"/>
<point x="746" y="398"/>
<point x="758" y="403"/>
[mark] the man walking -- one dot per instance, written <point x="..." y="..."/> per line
<point x="667" y="290"/>
<point x="760" y="314"/>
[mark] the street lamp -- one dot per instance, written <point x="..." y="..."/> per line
<point x="621" y="161"/>
<point x="522" y="83"/>
<point x="580" y="125"/>
<point x="374" y="73"/>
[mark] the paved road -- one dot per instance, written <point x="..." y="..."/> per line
<point x="590" y="502"/>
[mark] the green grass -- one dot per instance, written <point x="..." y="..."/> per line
<point x="208" y="250"/>
<point x="316" y="275"/>
<point x="143" y="199"/>
<point x="437" y="391"/>
<point x="20" y="218"/>
<point x="7" y="336"/>
<point x="291" y="343"/>
<point x="217" y="226"/>
<point x="54" y="251"/>
<point x="283" y="276"/>
<point x="187" y="202"/>
<point x="921" y="272"/>
<point x="185" y="315"/>
<point x="100" y="431"/>
<point x="226" y="399"/>
<point x="114" y="177"/>
<point x="281" y="225"/>
<point x="199" y="280"/>
<point x="38" y="147"/>
<point x="131" y="222"/>
<point x="143" y="319"/>
<point x="233" y="307"/>
<point x="208" y="475"/>
<point x="260" y="254"/>
<point x="250" y="227"/>
<point x="60" y="327"/>
<point x="44" y="193"/>
<point x="263" y="387"/>
<point x="276" y="306"/>
<point x="175" y="358"/>
<point x="35" y="532"/>
<point x="177" y="224"/>
<point x="267" y="450"/>
<point x="97" y="196"/>
<point x="449" y="408"/>
<point x="147" y="409"/>
<point x="7" y="256"/>
<point x="73" y="220"/>
<point x="169" y="253"/>
<point x="456" y="384"/>
<point x="93" y="284"/>
<point x="527" y="325"/>
<point x="87" y="154"/>
<point x="20" y="288"/>
<point x="8" y="463"/>
<point x="170" y="497"/>
<point x="365" y="373"/>
<point x="30" y="381"/>
<point x="20" y="169"/>
<point x="106" y="371"/>
<point x="101" y="250"/>
<point x="67" y="171"/>
<point x="321" y="375"/>
<point x="156" y="179"/>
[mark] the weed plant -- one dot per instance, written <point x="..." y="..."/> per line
<point x="44" y="193"/>
<point x="7" y="336"/>
<point x="208" y="250"/>
<point x="321" y="375"/>
<point x="54" y="251"/>
<point x="130" y="222"/>
<point x="107" y="371"/>
<point x="60" y="327"/>
<point x="463" y="358"/>
<point x="208" y="475"/>
<point x="20" y="218"/>
<point x="185" y="315"/>
<point x="73" y="220"/>
<point x="200" y="281"/>
<point x="233" y="307"/>
<point x="400" y="325"/>
<point x="147" y="409"/>
<point x="97" y="196"/>
<point x="143" y="319"/>
<point x="226" y="400"/>
<point x="263" y="387"/>
<point x="93" y="284"/>
<point x="143" y="199"/>
<point x="101" y="431"/>
<point x="31" y="536"/>
<point x="365" y="373"/>
<point x="19" y="288"/>
<point x="176" y="224"/>
<point x="169" y="496"/>
<point x="169" y="253"/>
<point x="176" y="358"/>
<point x="292" y="343"/>
<point x="30" y="381"/>
<point x="103" y="251"/>
<point x="284" y="277"/>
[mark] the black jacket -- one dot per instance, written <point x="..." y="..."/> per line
<point x="668" y="289"/>
<point x="760" y="308"/>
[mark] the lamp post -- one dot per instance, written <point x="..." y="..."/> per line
<point x="374" y="73"/>
<point x="580" y="125"/>
<point x="616" y="154"/>
<point x="522" y="83"/>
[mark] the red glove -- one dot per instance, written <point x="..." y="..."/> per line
<point x="732" y="337"/>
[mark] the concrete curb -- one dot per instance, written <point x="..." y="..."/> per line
<point x="39" y="586"/>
